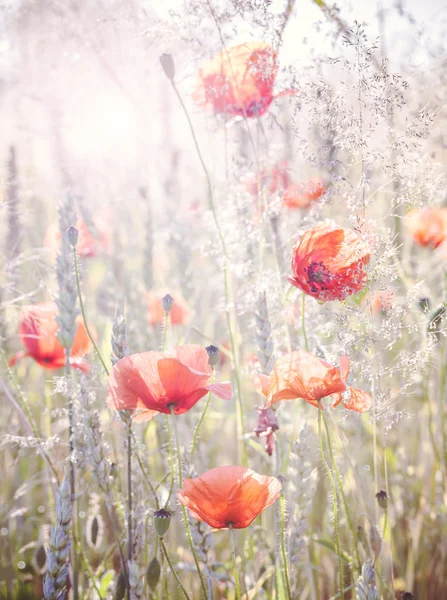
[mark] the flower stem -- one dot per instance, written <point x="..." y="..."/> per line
<point x="173" y="571"/>
<point x="283" y="545"/>
<point x="202" y="416"/>
<point x="84" y="318"/>
<point x="240" y="408"/>
<point x="185" y="514"/>
<point x="233" y="553"/>
<point x="129" y="499"/>
<point x="334" y="493"/>
<point x="303" y="321"/>
<point x="165" y="331"/>
<point x="171" y="459"/>
<point x="345" y="503"/>
<point x="26" y="408"/>
<point x="72" y="477"/>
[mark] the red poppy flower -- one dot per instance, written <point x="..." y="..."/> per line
<point x="353" y="398"/>
<point x="90" y="242"/>
<point x="300" y="375"/>
<point x="274" y="181"/>
<point x="38" y="333"/>
<point x="329" y="263"/>
<point x="301" y="196"/>
<point x="155" y="381"/>
<point x="239" y="82"/>
<point x="229" y="496"/>
<point x="180" y="312"/>
<point x="428" y="226"/>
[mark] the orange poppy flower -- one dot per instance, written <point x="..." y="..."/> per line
<point x="428" y="226"/>
<point x="89" y="244"/>
<point x="300" y="375"/>
<point x="229" y="496"/>
<point x="180" y="312"/>
<point x="38" y="333"/>
<point x="239" y="82"/>
<point x="155" y="381"/>
<point x="357" y="400"/>
<point x="329" y="262"/>
<point x="302" y="196"/>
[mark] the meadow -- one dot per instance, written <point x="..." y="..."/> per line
<point x="223" y="300"/>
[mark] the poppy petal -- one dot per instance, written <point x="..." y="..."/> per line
<point x="359" y="401"/>
<point x="17" y="356"/>
<point x="145" y="415"/>
<point x="261" y="383"/>
<point x="222" y="390"/>
<point x="135" y="382"/>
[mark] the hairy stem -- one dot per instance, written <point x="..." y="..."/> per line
<point x="202" y="417"/>
<point x="240" y="408"/>
<point x="334" y="493"/>
<point x="84" y="318"/>
<point x="233" y="553"/>
<point x="283" y="546"/>
<point x="345" y="502"/>
<point x="129" y="498"/>
<point x="173" y="571"/>
<point x="185" y="514"/>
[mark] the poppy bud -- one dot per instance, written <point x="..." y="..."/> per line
<point x="162" y="520"/>
<point x="72" y="235"/>
<point x="40" y="558"/>
<point x="120" y="588"/>
<point x="435" y="322"/>
<point x="168" y="65"/>
<point x="361" y="536"/>
<point x="153" y="573"/>
<point x="213" y="355"/>
<point x="94" y="531"/>
<point x="167" y="302"/>
<point x="382" y="499"/>
<point x="424" y="304"/>
<point x="375" y="540"/>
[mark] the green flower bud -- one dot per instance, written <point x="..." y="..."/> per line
<point x="153" y="573"/>
<point x="168" y="65"/>
<point x="120" y="588"/>
<point x="72" y="235"/>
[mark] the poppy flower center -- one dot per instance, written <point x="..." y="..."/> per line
<point x="318" y="276"/>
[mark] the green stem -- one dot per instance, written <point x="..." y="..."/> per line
<point x="129" y="498"/>
<point x="303" y="321"/>
<point x="26" y="408"/>
<point x="84" y="318"/>
<point x="165" y="331"/>
<point x="89" y="570"/>
<point x="171" y="459"/>
<point x="283" y="546"/>
<point x="240" y="408"/>
<point x="202" y="416"/>
<point x="173" y="571"/>
<point x="233" y="553"/>
<point x="334" y="493"/>
<point x="345" y="503"/>
<point x="74" y="558"/>
<point x="185" y="514"/>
